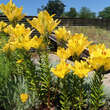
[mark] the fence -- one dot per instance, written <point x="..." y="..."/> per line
<point x="103" y="23"/>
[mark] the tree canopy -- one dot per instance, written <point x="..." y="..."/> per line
<point x="57" y="7"/>
<point x="71" y="13"/>
<point x="54" y="7"/>
<point x="86" y="13"/>
<point x="105" y="13"/>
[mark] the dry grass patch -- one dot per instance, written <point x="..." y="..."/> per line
<point x="98" y="35"/>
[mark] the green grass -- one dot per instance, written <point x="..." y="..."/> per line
<point x="96" y="34"/>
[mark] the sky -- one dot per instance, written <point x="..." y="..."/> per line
<point x="30" y="6"/>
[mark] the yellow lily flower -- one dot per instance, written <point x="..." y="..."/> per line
<point x="62" y="33"/>
<point x="99" y="51"/>
<point x="63" y="53"/>
<point x="44" y="23"/>
<point x="11" y="11"/>
<point x="20" y="38"/>
<point x="24" y="97"/>
<point x="77" y="44"/>
<point x="96" y="62"/>
<point x="99" y="56"/>
<point x="61" y="69"/>
<point x="19" y="61"/>
<point x="81" y="69"/>
<point x="2" y="26"/>
<point x="107" y="64"/>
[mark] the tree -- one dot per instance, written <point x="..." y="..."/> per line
<point x="54" y="7"/>
<point x="72" y="13"/>
<point x="105" y="13"/>
<point x="86" y="13"/>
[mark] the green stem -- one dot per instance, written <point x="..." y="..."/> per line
<point x="96" y="89"/>
<point x="45" y="69"/>
<point x="48" y="70"/>
<point x="49" y="78"/>
<point x="81" y="94"/>
<point x="48" y="98"/>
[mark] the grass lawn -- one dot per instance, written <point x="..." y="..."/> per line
<point x="96" y="34"/>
